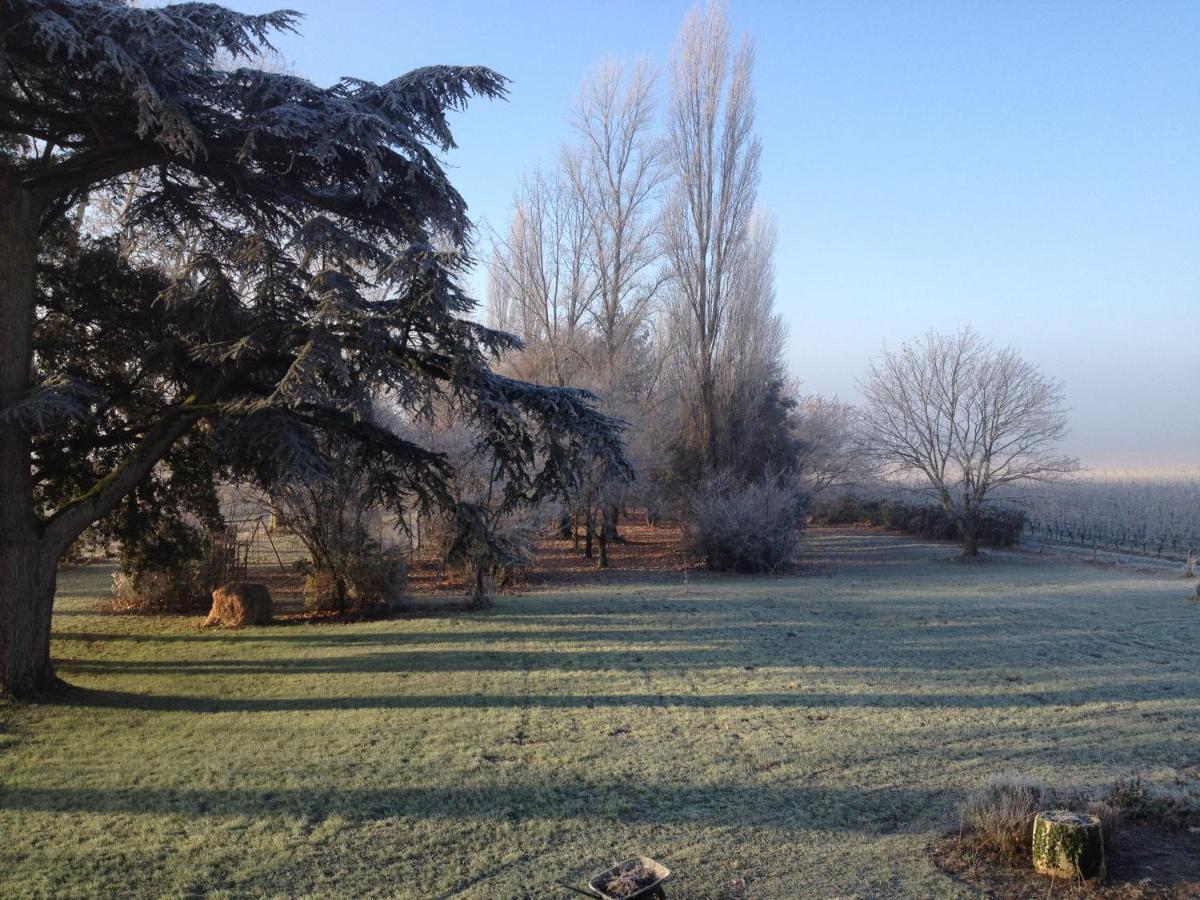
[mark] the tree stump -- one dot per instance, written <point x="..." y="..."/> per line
<point x="1068" y="845"/>
<point x="240" y="603"/>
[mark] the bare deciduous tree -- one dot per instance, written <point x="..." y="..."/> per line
<point x="541" y="286"/>
<point x="968" y="418"/>
<point x="617" y="173"/>
<point x="713" y="155"/>
<point x="679" y="336"/>
<point x="577" y="276"/>
<point x="829" y="453"/>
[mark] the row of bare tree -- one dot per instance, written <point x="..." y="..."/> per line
<point x="641" y="266"/>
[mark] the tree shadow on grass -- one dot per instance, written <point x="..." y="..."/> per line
<point x="794" y="648"/>
<point x="799" y="699"/>
<point x="872" y="811"/>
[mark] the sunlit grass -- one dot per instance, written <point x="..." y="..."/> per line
<point x="800" y="736"/>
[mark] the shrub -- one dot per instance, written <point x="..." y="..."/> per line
<point x="997" y="527"/>
<point x="743" y="527"/>
<point x="849" y="510"/>
<point x="321" y="592"/>
<point x="175" y="589"/>
<point x="1135" y="798"/>
<point x="1129" y="793"/>
<point x="371" y="583"/>
<point x="380" y="578"/>
<point x="1001" y="814"/>
<point x="181" y="585"/>
<point x="1001" y="527"/>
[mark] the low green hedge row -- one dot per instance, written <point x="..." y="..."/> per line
<point x="997" y="527"/>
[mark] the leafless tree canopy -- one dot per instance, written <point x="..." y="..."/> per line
<point x="578" y="274"/>
<point x="541" y="288"/>
<point x="966" y="416"/>
<point x="617" y="172"/>
<point x="830" y="457"/>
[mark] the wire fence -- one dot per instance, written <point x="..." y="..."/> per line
<point x="258" y="541"/>
<point x="1177" y="547"/>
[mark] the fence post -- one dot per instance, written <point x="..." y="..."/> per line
<point x="271" y="541"/>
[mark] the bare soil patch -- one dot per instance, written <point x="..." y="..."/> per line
<point x="1146" y="864"/>
<point x="650" y="554"/>
<point x="644" y="553"/>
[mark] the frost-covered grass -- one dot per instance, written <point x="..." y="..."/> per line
<point x="769" y="737"/>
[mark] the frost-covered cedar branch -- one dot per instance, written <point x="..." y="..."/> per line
<point x="327" y="248"/>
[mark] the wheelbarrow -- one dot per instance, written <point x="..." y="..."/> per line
<point x="597" y="887"/>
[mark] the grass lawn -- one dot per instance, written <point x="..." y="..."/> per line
<point x="802" y="736"/>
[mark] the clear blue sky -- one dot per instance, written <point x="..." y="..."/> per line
<point x="1030" y="168"/>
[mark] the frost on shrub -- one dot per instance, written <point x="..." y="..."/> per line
<point x="994" y="526"/>
<point x="1168" y="807"/>
<point x="1001" y="814"/>
<point x="745" y="527"/>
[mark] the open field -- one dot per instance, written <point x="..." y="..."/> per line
<point x="802" y="736"/>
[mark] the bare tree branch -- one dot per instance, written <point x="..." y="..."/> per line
<point x="968" y="418"/>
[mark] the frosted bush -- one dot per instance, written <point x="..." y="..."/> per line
<point x="745" y="527"/>
<point x="1001" y="814"/>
